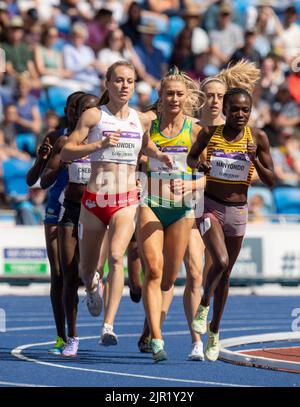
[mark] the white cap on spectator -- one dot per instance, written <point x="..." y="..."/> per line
<point x="143" y="87"/>
<point x="16" y="22"/>
<point x="81" y="29"/>
<point x="3" y="6"/>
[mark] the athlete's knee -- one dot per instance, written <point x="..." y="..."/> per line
<point x="221" y="263"/>
<point x="116" y="258"/>
<point x="193" y="279"/>
<point x="167" y="284"/>
<point x="154" y="270"/>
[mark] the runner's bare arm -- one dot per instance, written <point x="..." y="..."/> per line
<point x="260" y="155"/>
<point x="74" y="148"/>
<point x="199" y="146"/>
<point x="54" y="164"/>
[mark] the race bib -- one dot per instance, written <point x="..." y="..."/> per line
<point x="178" y="155"/>
<point x="80" y="171"/>
<point x="127" y="148"/>
<point x="230" y="166"/>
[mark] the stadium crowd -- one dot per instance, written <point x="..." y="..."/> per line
<point x="52" y="48"/>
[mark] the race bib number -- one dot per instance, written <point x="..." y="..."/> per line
<point x="126" y="149"/>
<point x="230" y="166"/>
<point x="178" y="155"/>
<point x="80" y="172"/>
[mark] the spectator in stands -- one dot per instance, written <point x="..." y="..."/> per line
<point x="289" y="111"/>
<point x="200" y="40"/>
<point x="51" y="123"/>
<point x="99" y="27"/>
<point x="49" y="61"/>
<point x="28" y="118"/>
<point x="19" y="58"/>
<point x="4" y="20"/>
<point x="74" y="9"/>
<point x="248" y="51"/>
<point x="286" y="157"/>
<point x="119" y="8"/>
<point x="226" y="38"/>
<point x="182" y="52"/>
<point x="33" y="28"/>
<point x="117" y="47"/>
<point x="271" y="77"/>
<point x="130" y="27"/>
<point x="288" y="42"/>
<point x="260" y="112"/>
<point x="7" y="126"/>
<point x="168" y="7"/>
<point x="80" y="60"/>
<point x="152" y="58"/>
<point x="8" y="147"/>
<point x="144" y="91"/>
<point x="256" y="208"/>
<point x="199" y="64"/>
<point x="267" y="26"/>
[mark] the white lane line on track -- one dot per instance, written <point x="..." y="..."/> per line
<point x="17" y="352"/>
<point x="22" y="384"/>
<point x="98" y="324"/>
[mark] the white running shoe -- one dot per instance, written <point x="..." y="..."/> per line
<point x="94" y="298"/>
<point x="71" y="348"/>
<point x="108" y="337"/>
<point x="197" y="351"/>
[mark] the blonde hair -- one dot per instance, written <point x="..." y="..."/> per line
<point x="243" y="74"/>
<point x="195" y="97"/>
<point x="104" y="98"/>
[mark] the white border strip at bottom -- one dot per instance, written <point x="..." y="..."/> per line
<point x="257" y="361"/>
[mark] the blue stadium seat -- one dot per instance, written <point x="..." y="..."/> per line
<point x="176" y="24"/>
<point x="53" y="98"/>
<point x="266" y="195"/>
<point x="26" y="142"/>
<point x="287" y="200"/>
<point x="164" y="43"/>
<point x="14" y="178"/>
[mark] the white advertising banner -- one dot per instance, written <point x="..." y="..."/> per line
<point x="270" y="251"/>
<point x="23" y="252"/>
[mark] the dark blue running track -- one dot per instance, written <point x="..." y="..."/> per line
<point x="30" y="329"/>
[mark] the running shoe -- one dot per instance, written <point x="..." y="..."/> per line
<point x="71" y="348"/>
<point x="135" y="295"/>
<point x="158" y="352"/>
<point x="213" y="346"/>
<point x="144" y="344"/>
<point x="94" y="298"/>
<point x="197" y="351"/>
<point x="58" y="347"/>
<point x="199" y="323"/>
<point x="108" y="337"/>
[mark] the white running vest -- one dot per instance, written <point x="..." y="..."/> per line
<point x="130" y="143"/>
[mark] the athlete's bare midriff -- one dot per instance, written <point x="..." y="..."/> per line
<point x="112" y="178"/>
<point x="227" y="192"/>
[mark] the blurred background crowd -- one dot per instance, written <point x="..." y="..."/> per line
<point x="53" y="48"/>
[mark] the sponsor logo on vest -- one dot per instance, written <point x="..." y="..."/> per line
<point x="90" y="204"/>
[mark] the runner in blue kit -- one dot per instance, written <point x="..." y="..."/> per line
<point x="55" y="198"/>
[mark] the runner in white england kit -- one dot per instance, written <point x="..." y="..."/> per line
<point x="115" y="136"/>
